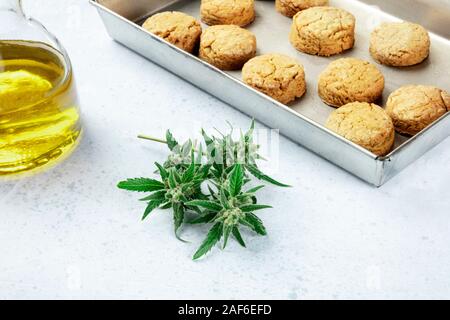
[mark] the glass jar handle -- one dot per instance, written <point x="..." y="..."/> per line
<point x="35" y="30"/>
<point x="12" y="5"/>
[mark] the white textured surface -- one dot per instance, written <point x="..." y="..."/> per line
<point x="69" y="233"/>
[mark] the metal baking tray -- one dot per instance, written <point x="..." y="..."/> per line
<point x="303" y="121"/>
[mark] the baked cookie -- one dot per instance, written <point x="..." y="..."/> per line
<point x="290" y="7"/>
<point x="238" y="12"/>
<point x="413" y="107"/>
<point x="400" y="44"/>
<point x="227" y="47"/>
<point x="178" y="28"/>
<point x="276" y="75"/>
<point x="365" y="124"/>
<point x="323" y="31"/>
<point x="350" y="80"/>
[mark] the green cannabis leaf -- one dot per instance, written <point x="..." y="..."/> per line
<point x="221" y="165"/>
<point x="212" y="238"/>
<point x="141" y="185"/>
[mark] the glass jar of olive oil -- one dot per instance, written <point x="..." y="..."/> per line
<point x="39" y="114"/>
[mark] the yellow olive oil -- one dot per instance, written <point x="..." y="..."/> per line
<point x="39" y="115"/>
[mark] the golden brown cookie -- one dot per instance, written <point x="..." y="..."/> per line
<point x="227" y="47"/>
<point x="290" y="7"/>
<point x="175" y="27"/>
<point x="323" y="31"/>
<point x="415" y="107"/>
<point x="400" y="44"/>
<point x="350" y="80"/>
<point x="365" y="124"/>
<point x="276" y="75"/>
<point x="238" y="12"/>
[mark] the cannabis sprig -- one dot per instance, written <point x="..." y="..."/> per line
<point x="228" y="211"/>
<point x="222" y="165"/>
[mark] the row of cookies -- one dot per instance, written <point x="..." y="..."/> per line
<point x="353" y="86"/>
<point x="412" y="107"/>
<point x="321" y="30"/>
<point x="227" y="46"/>
<point x="327" y="31"/>
<point x="318" y="30"/>
<point x="409" y="110"/>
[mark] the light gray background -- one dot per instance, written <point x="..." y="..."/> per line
<point x="69" y="233"/>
